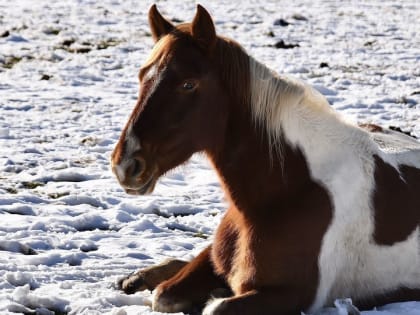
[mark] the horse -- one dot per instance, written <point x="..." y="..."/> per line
<point x="319" y="208"/>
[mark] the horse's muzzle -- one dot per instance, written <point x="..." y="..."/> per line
<point x="134" y="176"/>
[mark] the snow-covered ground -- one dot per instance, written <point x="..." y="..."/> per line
<point x="68" y="81"/>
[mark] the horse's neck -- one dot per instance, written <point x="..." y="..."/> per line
<point x="254" y="176"/>
<point x="314" y="145"/>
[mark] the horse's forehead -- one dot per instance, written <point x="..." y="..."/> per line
<point x="158" y="53"/>
<point x="177" y="52"/>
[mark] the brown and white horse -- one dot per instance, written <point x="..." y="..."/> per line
<point x="319" y="209"/>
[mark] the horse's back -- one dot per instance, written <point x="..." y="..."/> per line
<point x="398" y="147"/>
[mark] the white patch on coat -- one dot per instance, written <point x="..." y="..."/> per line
<point x="340" y="158"/>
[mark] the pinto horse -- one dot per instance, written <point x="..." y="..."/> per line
<point x="318" y="208"/>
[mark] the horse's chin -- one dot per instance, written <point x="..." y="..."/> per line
<point x="145" y="189"/>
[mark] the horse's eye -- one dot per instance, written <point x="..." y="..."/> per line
<point x="188" y="85"/>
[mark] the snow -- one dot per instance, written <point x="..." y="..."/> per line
<point x="68" y="81"/>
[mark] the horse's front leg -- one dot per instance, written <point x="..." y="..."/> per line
<point x="268" y="301"/>
<point x="149" y="278"/>
<point x="190" y="288"/>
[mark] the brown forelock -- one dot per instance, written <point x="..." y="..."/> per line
<point x="277" y="220"/>
<point x="396" y="202"/>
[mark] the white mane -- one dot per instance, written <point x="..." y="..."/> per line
<point x="287" y="107"/>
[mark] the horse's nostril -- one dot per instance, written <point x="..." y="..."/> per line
<point x="136" y="168"/>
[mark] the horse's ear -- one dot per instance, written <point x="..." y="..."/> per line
<point x="202" y="29"/>
<point x="158" y="24"/>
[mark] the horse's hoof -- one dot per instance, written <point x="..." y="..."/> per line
<point x="149" y="278"/>
<point x="132" y="283"/>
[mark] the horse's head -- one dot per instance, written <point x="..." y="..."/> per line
<point x="182" y="106"/>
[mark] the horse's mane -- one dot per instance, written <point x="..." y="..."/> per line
<point x="233" y="63"/>
<point x="270" y="97"/>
